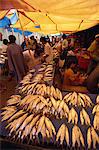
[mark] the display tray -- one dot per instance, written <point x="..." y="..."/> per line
<point x="6" y="144"/>
<point x="57" y="123"/>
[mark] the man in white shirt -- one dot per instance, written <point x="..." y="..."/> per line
<point x="48" y="51"/>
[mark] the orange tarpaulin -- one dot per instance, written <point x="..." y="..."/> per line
<point x="3" y="13"/>
<point x="56" y="15"/>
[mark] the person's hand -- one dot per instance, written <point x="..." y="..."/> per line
<point x="78" y="73"/>
<point x="82" y="79"/>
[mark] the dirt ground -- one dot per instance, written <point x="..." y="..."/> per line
<point x="8" y="91"/>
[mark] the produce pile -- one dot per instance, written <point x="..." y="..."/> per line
<point x="35" y="77"/>
<point x="30" y="116"/>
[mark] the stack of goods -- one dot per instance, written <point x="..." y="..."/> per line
<point x="36" y="80"/>
<point x="30" y="118"/>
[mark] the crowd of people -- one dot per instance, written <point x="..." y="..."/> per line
<point x="33" y="51"/>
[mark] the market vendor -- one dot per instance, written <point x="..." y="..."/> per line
<point x="33" y="58"/>
<point x="32" y="44"/>
<point x="94" y="53"/>
<point x="93" y="81"/>
<point x="48" y="51"/>
<point x="70" y="77"/>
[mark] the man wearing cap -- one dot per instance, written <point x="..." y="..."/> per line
<point x="94" y="53"/>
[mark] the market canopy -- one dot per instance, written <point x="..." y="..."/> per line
<point x="55" y="15"/>
<point x="5" y="22"/>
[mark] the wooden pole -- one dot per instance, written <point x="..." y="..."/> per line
<point x="21" y="25"/>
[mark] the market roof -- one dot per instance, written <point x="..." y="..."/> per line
<point x="55" y="15"/>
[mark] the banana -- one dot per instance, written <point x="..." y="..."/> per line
<point x="16" y="123"/>
<point x="92" y="136"/>
<point x="16" y="96"/>
<point x="14" y="100"/>
<point x="97" y="99"/>
<point x="81" y="138"/>
<point x="95" y="137"/>
<point x="44" y="87"/>
<point x="43" y="131"/>
<point x="45" y="110"/>
<point x="48" y="90"/>
<point x="31" y="89"/>
<point x="74" y="98"/>
<point x="16" y="115"/>
<point x="53" y="129"/>
<point x="54" y="102"/>
<point x="86" y="99"/>
<point x="50" y="126"/>
<point x="32" y="70"/>
<point x="42" y="69"/>
<point x="52" y="91"/>
<point x="43" y="100"/>
<point x="61" y="133"/>
<point x="26" y="132"/>
<point x="84" y="116"/>
<point x="23" y="101"/>
<point x="66" y="135"/>
<point x="41" y="106"/>
<point x="37" y="100"/>
<point x="61" y="106"/>
<point x="41" y="122"/>
<point x="8" y="115"/>
<point x="73" y="116"/>
<point x="38" y="87"/>
<point x="96" y="121"/>
<point x="47" y="134"/>
<point x="9" y="108"/>
<point x="62" y="137"/>
<point x="58" y="103"/>
<point x="80" y="100"/>
<point x="33" y="122"/>
<point x="24" y="89"/>
<point x="77" y="136"/>
<point x="59" y="94"/>
<point x="26" y="121"/>
<point x="95" y="109"/>
<point x="89" y="138"/>
<point x="67" y="96"/>
<point x="81" y="118"/>
<point x="33" y="133"/>
<point x="66" y="109"/>
<point x="29" y="127"/>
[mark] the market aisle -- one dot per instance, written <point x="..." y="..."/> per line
<point x="6" y="93"/>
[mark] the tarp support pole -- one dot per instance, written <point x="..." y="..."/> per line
<point x="20" y="24"/>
